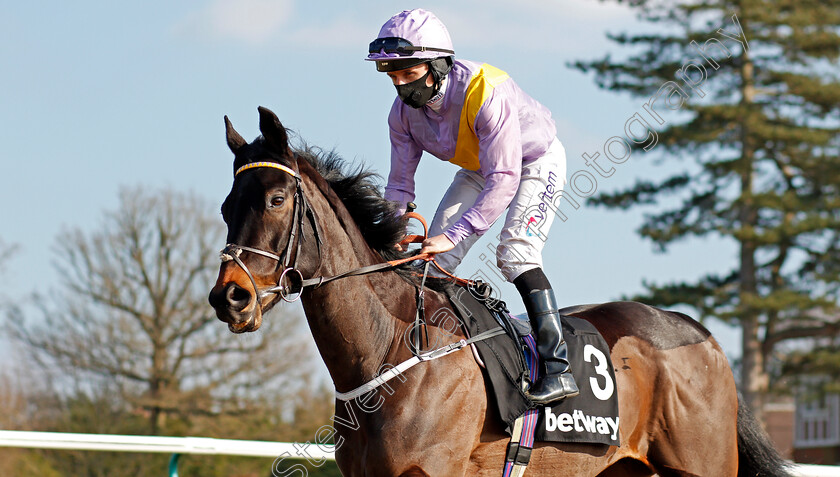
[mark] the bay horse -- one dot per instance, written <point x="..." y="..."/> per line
<point x="294" y="217"/>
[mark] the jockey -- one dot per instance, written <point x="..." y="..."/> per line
<point x="474" y="116"/>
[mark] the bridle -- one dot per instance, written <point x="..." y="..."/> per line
<point x="291" y="283"/>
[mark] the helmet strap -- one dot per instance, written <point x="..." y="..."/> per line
<point x="440" y="67"/>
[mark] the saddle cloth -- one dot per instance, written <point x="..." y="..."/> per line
<point x="590" y="417"/>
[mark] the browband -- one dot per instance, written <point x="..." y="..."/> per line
<point x="266" y="164"/>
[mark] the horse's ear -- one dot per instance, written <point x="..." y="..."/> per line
<point x="234" y="140"/>
<point x="273" y="132"/>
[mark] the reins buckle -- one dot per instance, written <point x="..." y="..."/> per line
<point x="444" y="350"/>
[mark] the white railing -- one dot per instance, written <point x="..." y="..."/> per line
<point x="818" y="423"/>
<point x="168" y="445"/>
<point x="805" y="470"/>
<point x="211" y="446"/>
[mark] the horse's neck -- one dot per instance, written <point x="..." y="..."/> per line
<point x="355" y="320"/>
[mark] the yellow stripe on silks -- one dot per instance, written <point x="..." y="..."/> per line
<point x="480" y="88"/>
<point x="273" y="165"/>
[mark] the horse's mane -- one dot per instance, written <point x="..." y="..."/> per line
<point x="359" y="190"/>
<point x="377" y="218"/>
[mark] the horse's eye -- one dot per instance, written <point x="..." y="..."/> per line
<point x="276" y="201"/>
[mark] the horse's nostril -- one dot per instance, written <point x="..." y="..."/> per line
<point x="233" y="297"/>
<point x="216" y="299"/>
<point x="237" y="297"/>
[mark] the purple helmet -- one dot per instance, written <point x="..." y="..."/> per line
<point x="409" y="38"/>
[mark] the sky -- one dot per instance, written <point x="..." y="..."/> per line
<point x="101" y="95"/>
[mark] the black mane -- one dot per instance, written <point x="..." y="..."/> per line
<point x="359" y="190"/>
<point x="375" y="216"/>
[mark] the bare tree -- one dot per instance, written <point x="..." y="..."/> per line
<point x="131" y="313"/>
<point x="8" y="250"/>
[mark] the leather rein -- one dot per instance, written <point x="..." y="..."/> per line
<point x="291" y="283"/>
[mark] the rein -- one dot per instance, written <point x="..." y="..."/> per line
<point x="291" y="283"/>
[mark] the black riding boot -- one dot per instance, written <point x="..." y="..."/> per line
<point x="558" y="382"/>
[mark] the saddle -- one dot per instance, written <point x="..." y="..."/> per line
<point x="511" y="361"/>
<point x="507" y="349"/>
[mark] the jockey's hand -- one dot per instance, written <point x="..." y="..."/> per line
<point x="437" y="244"/>
<point x="400" y="247"/>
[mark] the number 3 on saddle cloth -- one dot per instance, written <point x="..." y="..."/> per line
<point x="590" y="417"/>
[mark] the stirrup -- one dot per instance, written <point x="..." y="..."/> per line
<point x="566" y="388"/>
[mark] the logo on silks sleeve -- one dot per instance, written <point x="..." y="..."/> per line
<point x="579" y="422"/>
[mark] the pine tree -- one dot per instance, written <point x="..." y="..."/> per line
<point x="756" y="86"/>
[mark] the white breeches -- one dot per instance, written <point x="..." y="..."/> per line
<point x="528" y="218"/>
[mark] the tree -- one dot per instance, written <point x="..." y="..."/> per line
<point x="756" y="81"/>
<point x="26" y="404"/>
<point x="8" y="251"/>
<point x="131" y="314"/>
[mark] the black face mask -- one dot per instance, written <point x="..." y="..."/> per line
<point x="416" y="93"/>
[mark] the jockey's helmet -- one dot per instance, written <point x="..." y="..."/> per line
<point x="410" y="38"/>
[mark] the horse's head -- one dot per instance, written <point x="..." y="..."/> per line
<point x="267" y="217"/>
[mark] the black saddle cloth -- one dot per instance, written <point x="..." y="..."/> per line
<point x="591" y="417"/>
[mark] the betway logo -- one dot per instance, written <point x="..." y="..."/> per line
<point x="580" y="422"/>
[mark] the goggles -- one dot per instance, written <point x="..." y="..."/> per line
<point x="400" y="46"/>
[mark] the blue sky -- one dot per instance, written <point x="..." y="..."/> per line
<point x="99" y="95"/>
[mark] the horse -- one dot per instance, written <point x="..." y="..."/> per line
<point x="299" y="225"/>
